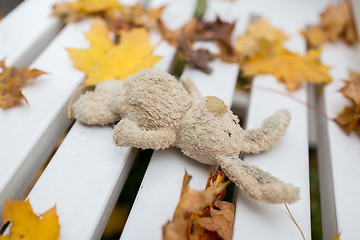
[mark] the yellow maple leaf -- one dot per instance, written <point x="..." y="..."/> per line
<point x="248" y="44"/>
<point x="288" y="67"/>
<point x="105" y="60"/>
<point x="26" y="225"/>
<point x="74" y="11"/>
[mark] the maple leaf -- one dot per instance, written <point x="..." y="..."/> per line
<point x="75" y="11"/>
<point x="133" y="16"/>
<point x="249" y="43"/>
<point x="28" y="226"/>
<point x="173" y="36"/>
<point x="11" y="81"/>
<point x="194" y="205"/>
<point x="220" y="221"/>
<point x="197" y="58"/>
<point x="105" y="60"/>
<point x="351" y="115"/>
<point x="337" y="237"/>
<point x="336" y="23"/>
<point x="288" y="67"/>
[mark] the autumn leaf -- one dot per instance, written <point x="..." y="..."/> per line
<point x="288" y="67"/>
<point x="337" y="237"/>
<point x="249" y="43"/>
<point x="173" y="36"/>
<point x="106" y="60"/>
<point x="336" y="23"/>
<point x="28" y="226"/>
<point x="11" y="82"/>
<point x="220" y="221"/>
<point x="197" y="58"/>
<point x="196" y="205"/>
<point x="351" y="115"/>
<point x="75" y="11"/>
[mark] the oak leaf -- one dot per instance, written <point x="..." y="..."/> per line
<point x="351" y="115"/>
<point x="11" y="82"/>
<point x="75" y="11"/>
<point x="288" y="67"/>
<point x="26" y="225"/>
<point x="336" y="23"/>
<point x="106" y="60"/>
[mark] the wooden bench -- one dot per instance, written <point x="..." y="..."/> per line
<point x="87" y="173"/>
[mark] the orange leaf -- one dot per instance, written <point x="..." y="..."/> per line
<point x="190" y="203"/>
<point x="11" y="82"/>
<point x="28" y="226"/>
<point x="105" y="60"/>
<point x="351" y="115"/>
<point x="337" y="237"/>
<point x="336" y="23"/>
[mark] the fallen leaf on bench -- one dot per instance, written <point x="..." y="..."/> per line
<point x="75" y="11"/>
<point x="337" y="237"/>
<point x="336" y="23"/>
<point x="132" y="16"/>
<point x="288" y="67"/>
<point x="350" y="116"/>
<point x="11" y="82"/>
<point x="106" y="60"/>
<point x="200" y="214"/>
<point x="197" y="58"/>
<point x="249" y="43"/>
<point x="27" y="225"/>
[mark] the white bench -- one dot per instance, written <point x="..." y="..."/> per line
<point x="86" y="175"/>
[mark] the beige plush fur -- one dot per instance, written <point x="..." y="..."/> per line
<point x="154" y="110"/>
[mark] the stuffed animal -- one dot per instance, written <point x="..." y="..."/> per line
<point x="153" y="110"/>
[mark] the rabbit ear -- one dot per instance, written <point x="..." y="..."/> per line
<point x="256" y="183"/>
<point x="263" y="138"/>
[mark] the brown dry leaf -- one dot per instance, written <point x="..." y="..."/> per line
<point x="197" y="58"/>
<point x="218" y="31"/>
<point x="173" y="36"/>
<point x="248" y="44"/>
<point x="220" y="221"/>
<point x="336" y="23"/>
<point x="26" y="225"/>
<point x="351" y="115"/>
<point x="288" y="67"/>
<point x="75" y="11"/>
<point x="105" y="60"/>
<point x="11" y="82"/>
<point x="195" y="205"/>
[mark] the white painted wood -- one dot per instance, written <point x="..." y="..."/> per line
<point x="288" y="160"/>
<point x="26" y="31"/>
<point x="86" y="175"/>
<point x="160" y="190"/>
<point x="29" y="133"/>
<point x="338" y="152"/>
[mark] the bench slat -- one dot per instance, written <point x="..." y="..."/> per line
<point x="288" y="160"/>
<point x="86" y="175"/>
<point x="338" y="152"/>
<point x="26" y="31"/>
<point x="160" y="190"/>
<point x="30" y="133"/>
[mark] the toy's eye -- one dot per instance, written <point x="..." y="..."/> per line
<point x="229" y="133"/>
<point x="234" y="121"/>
